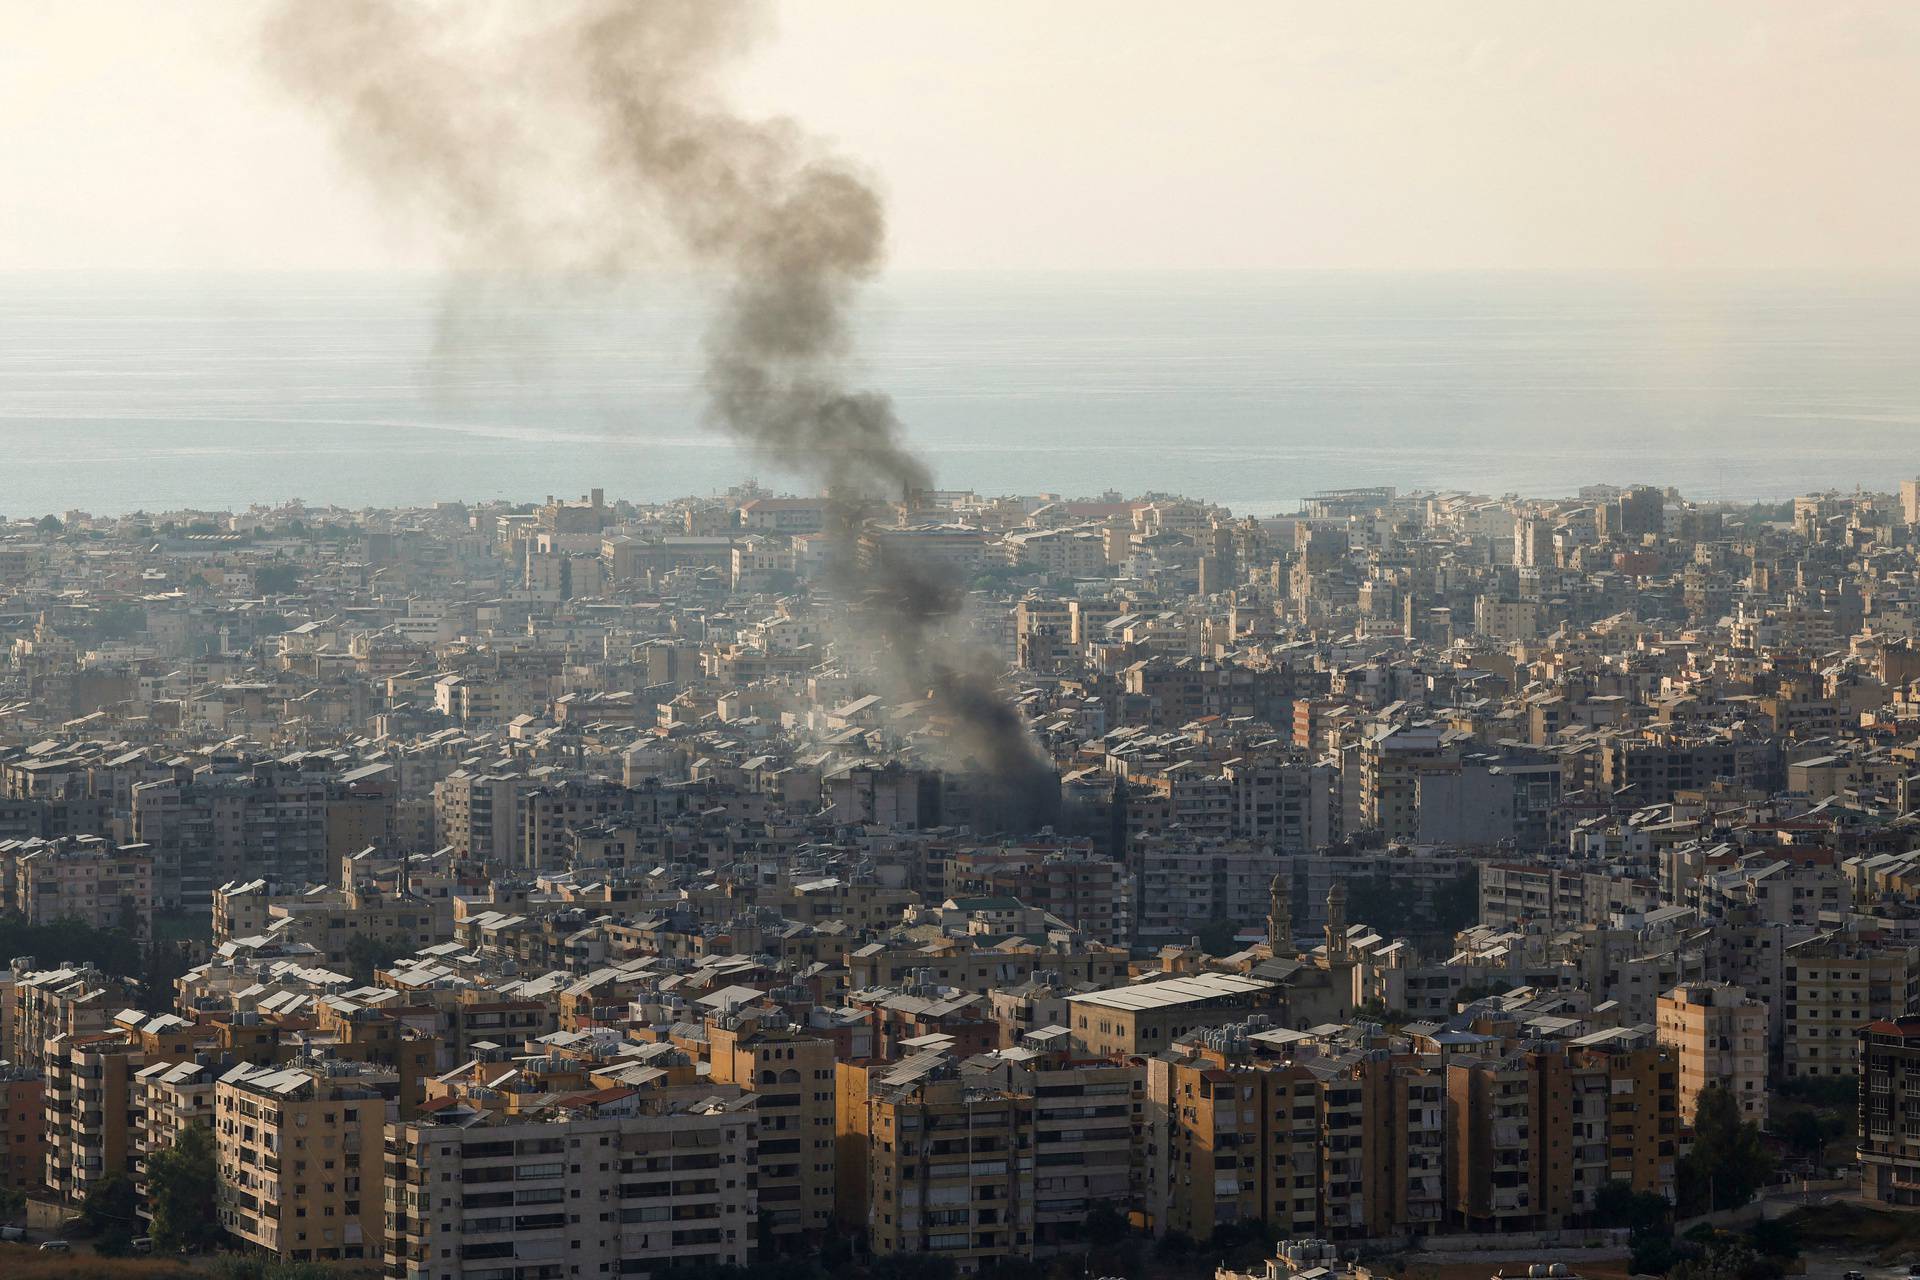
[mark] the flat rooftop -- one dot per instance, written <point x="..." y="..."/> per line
<point x="1190" y="989"/>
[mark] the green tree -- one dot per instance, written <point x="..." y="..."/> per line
<point x="1655" y="1254"/>
<point x="114" y="1242"/>
<point x="110" y="1206"/>
<point x="1376" y="1010"/>
<point x="1804" y="1130"/>
<point x="1113" y="1246"/>
<point x="1392" y="909"/>
<point x="1457" y="904"/>
<point x="1618" y="1205"/>
<point x="912" y="1266"/>
<point x="182" y="1182"/>
<point x="1728" y="1162"/>
<point x="113" y="951"/>
<point x="49" y="524"/>
<point x="366" y="953"/>
<point x="1841" y="1092"/>
<point x="276" y="579"/>
<point x="253" y="1266"/>
<point x="1217" y="937"/>
<point x="120" y="620"/>
<point x="1775" y="1238"/>
<point x="167" y="962"/>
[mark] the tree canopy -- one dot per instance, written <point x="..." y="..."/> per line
<point x="1395" y="908"/>
<point x="1728" y="1162"/>
<point x="113" y="951"/>
<point x="182" y="1181"/>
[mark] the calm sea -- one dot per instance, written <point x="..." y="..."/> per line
<point x="150" y="392"/>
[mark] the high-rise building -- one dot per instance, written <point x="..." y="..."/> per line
<point x="298" y="1148"/>
<point x="1835" y="983"/>
<point x="790" y="1075"/>
<point x="931" y="1163"/>
<point x="23" y="1128"/>
<point x="618" y="1181"/>
<point x="1719" y="1035"/>
<point x="1889" y="1098"/>
<point x="231" y="822"/>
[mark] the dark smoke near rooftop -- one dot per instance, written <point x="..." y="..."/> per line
<point x="584" y="137"/>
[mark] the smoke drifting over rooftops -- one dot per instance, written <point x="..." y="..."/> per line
<point x="585" y="136"/>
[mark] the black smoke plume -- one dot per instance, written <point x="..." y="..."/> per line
<point x="586" y="136"/>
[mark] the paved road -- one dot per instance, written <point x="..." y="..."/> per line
<point x="1831" y="1264"/>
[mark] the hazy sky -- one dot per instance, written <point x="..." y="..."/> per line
<point x="1092" y="134"/>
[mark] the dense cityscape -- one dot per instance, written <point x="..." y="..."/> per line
<point x="519" y="892"/>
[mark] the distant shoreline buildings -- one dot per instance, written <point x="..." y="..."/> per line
<point x="564" y="888"/>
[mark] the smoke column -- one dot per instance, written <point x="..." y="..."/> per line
<point x="584" y="136"/>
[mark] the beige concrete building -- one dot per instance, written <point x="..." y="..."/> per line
<point x="1833" y="985"/>
<point x="93" y="1123"/>
<point x="1147" y="1017"/>
<point x="791" y="1077"/>
<point x="932" y="1164"/>
<point x="1889" y="1096"/>
<point x="621" y="1181"/>
<point x="1719" y="1035"/>
<point x="68" y="1001"/>
<point x="298" y="1148"/>
<point x="1392" y="761"/>
<point x="168" y="1098"/>
<point x="1535" y="1134"/>
<point x="1086" y="1131"/>
<point x="1229" y="1138"/>
<point x="23" y="1128"/>
<point x="84" y="878"/>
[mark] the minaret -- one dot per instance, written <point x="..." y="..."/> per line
<point x="1280" y="915"/>
<point x="1337" y="920"/>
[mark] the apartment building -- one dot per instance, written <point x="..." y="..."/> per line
<point x="46" y="1003"/>
<point x="1562" y="896"/>
<point x="331" y="919"/>
<point x="23" y="1128"/>
<point x="1093" y="894"/>
<point x="84" y="878"/>
<point x="618" y="1181"/>
<point x="1835" y="983"/>
<point x="168" y="1099"/>
<point x="1149" y="1017"/>
<point x="1392" y="762"/>
<point x="298" y="1148"/>
<point x="790" y="1076"/>
<point x="1890" y="1110"/>
<point x="1229" y="1139"/>
<point x="934" y="1164"/>
<point x="479" y="815"/>
<point x="981" y="969"/>
<point x="945" y="551"/>
<point x="1043" y="634"/>
<point x="232" y="822"/>
<point x="361" y="808"/>
<point x="91" y="1117"/>
<point x="1087" y="1131"/>
<point x="1537" y="1132"/>
<point x="1719" y="1035"/>
<point x="548" y="813"/>
<point x="1657" y="768"/>
<point x="1491" y="1169"/>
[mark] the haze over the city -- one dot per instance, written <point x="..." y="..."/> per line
<point x="959" y="640"/>
<point x="1092" y="135"/>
